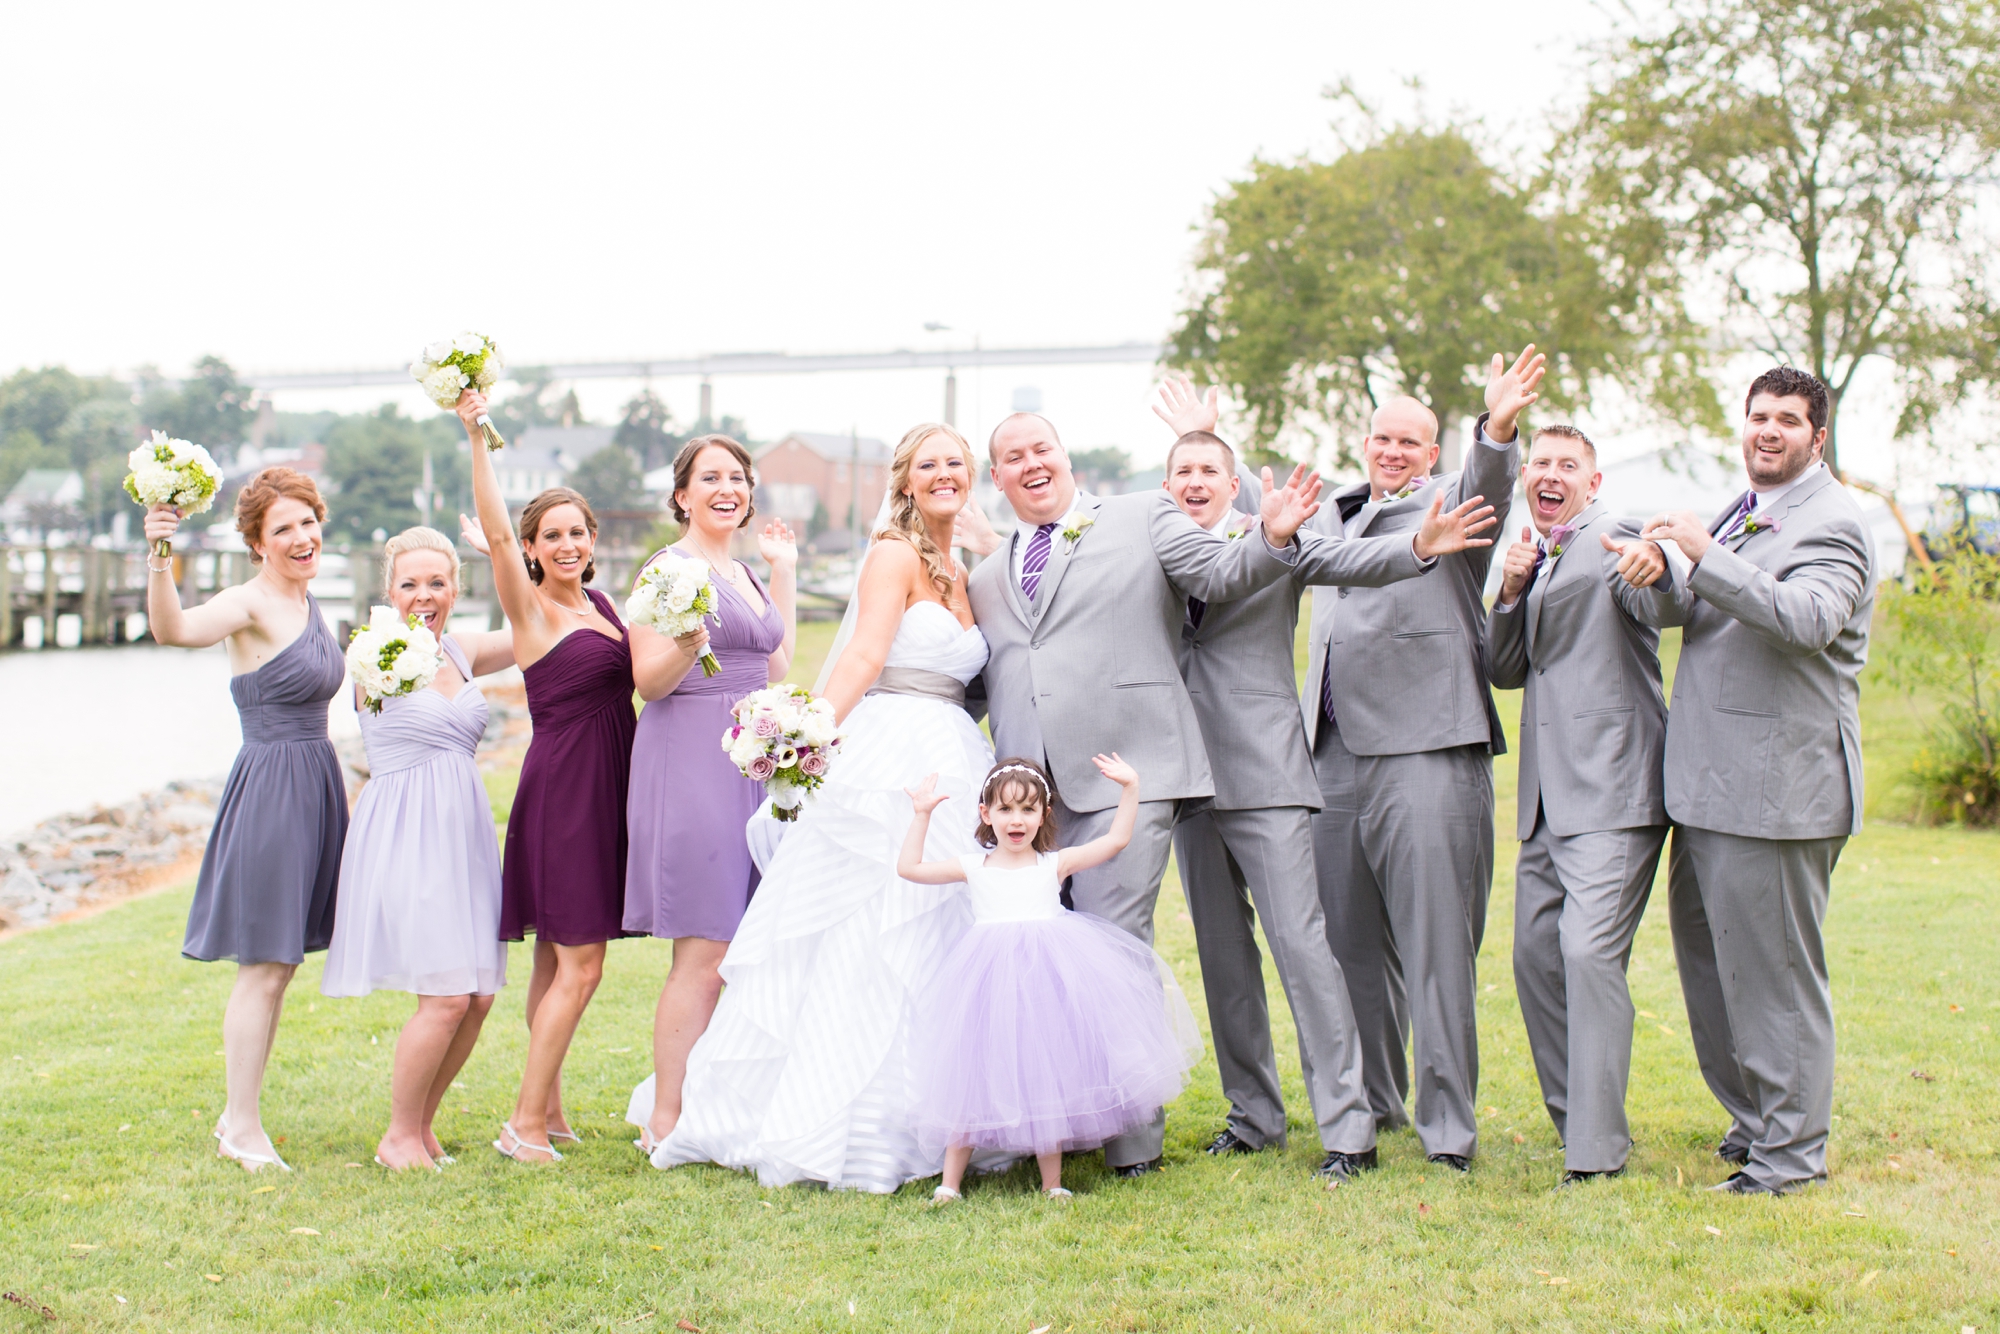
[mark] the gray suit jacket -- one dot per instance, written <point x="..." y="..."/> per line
<point x="1239" y="670"/>
<point x="1764" y="736"/>
<point x="1090" y="666"/>
<point x="1409" y="660"/>
<point x="1593" y="718"/>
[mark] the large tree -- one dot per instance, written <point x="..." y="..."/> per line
<point x="211" y="407"/>
<point x="610" y="480"/>
<point x="1820" y="164"/>
<point x="647" y="429"/>
<point x="1400" y="267"/>
<point x="375" y="464"/>
<point x="53" y="418"/>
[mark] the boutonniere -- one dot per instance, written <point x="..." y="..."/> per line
<point x="1074" y="530"/>
<point x="1411" y="489"/>
<point x="1750" y="525"/>
<point x="1558" y="535"/>
<point x="1239" y="527"/>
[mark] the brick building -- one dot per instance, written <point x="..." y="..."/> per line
<point x="807" y="474"/>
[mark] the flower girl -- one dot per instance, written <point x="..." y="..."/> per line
<point x="1045" y="1030"/>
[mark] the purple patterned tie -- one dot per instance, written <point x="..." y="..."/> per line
<point x="1035" y="559"/>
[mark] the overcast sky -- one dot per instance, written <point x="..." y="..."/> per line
<point x="330" y="186"/>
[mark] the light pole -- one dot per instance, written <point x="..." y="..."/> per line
<point x="950" y="379"/>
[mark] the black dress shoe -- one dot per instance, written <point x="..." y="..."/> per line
<point x="1584" y="1178"/>
<point x="1137" y="1169"/>
<point x="1338" y="1166"/>
<point x="1742" y="1183"/>
<point x="1229" y="1142"/>
<point x="1457" y="1162"/>
<point x="1734" y="1154"/>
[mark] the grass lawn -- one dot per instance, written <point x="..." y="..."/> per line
<point x="110" y="1078"/>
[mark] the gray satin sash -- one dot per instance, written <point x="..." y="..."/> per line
<point x="917" y="681"/>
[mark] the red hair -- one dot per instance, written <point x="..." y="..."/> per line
<point x="268" y="487"/>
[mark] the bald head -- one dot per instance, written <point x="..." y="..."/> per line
<point x="1031" y="468"/>
<point x="1401" y="445"/>
<point x="1017" y="426"/>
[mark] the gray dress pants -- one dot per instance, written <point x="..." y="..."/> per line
<point x="1122" y="892"/>
<point x="1577" y="904"/>
<point x="1746" y="914"/>
<point x="1404" y="849"/>
<point x="1230" y="860"/>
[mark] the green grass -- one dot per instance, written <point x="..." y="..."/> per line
<point x="110" y="1079"/>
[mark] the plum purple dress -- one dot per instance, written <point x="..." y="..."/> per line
<point x="420" y="879"/>
<point x="564" y="871"/>
<point x="689" y="872"/>
<point x="272" y="867"/>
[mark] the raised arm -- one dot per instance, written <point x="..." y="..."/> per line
<point x="780" y="551"/>
<point x="883" y="592"/>
<point x="910" y="863"/>
<point x="1214" y="569"/>
<point x="510" y="573"/>
<point x="1101" y="850"/>
<point x="210" y="623"/>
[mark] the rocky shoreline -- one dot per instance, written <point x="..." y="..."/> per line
<point x="75" y="862"/>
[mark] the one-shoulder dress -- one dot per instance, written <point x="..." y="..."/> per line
<point x="564" y="871"/>
<point x="420" y="879"/>
<point x="272" y="866"/>
<point x="689" y="871"/>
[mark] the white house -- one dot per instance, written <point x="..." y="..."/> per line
<point x="543" y="456"/>
<point x="44" y="499"/>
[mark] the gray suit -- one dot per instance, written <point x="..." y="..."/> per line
<point x="1404" y="844"/>
<point x="1090" y="666"/>
<point x="1763" y="781"/>
<point x="1253" y="843"/>
<point x="1592" y="819"/>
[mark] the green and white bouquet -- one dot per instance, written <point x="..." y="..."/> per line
<point x="389" y="657"/>
<point x="451" y="366"/>
<point x="172" y="472"/>
<point x="672" y="595"/>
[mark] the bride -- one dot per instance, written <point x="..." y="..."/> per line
<point x="803" y="1073"/>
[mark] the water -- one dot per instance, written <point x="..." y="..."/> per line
<point x="96" y="726"/>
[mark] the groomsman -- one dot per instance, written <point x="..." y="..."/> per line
<point x="1592" y="813"/>
<point x="1082" y="609"/>
<point x="1403" y="733"/>
<point x="1252" y="843"/>
<point x="1763" y="778"/>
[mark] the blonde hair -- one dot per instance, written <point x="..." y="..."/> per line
<point x="418" y="539"/>
<point x="904" y="521"/>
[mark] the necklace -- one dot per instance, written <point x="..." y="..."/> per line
<point x="588" y="606"/>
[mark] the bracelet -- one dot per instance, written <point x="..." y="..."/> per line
<point x="168" y="568"/>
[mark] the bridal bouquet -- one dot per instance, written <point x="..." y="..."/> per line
<point x="172" y="472"/>
<point x="783" y="738"/>
<point x="390" y="657"/>
<point x="673" y="595"/>
<point x="450" y="366"/>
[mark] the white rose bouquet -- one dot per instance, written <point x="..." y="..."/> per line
<point x="672" y="595"/>
<point x="172" y="472"/>
<point x="451" y="366"/>
<point x="390" y="657"/>
<point x="783" y="738"/>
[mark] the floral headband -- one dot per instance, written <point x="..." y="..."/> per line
<point x="1035" y="775"/>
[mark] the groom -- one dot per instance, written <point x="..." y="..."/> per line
<point x="1082" y="608"/>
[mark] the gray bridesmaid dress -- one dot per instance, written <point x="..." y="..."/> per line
<point x="268" y="878"/>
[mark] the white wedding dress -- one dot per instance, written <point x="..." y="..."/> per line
<point x="803" y="1073"/>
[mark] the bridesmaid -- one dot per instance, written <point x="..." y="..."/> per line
<point x="689" y="876"/>
<point x="563" y="876"/>
<point x="420" y="877"/>
<point x="265" y="898"/>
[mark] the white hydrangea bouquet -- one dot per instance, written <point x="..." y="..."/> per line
<point x="783" y="738"/>
<point x="389" y="657"/>
<point x="165" y="471"/>
<point x="673" y="595"/>
<point x="451" y="366"/>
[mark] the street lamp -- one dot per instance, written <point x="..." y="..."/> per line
<point x="950" y="379"/>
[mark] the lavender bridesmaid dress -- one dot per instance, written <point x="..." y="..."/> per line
<point x="689" y="872"/>
<point x="420" y="879"/>
<point x="272" y="866"/>
<point x="564" y="870"/>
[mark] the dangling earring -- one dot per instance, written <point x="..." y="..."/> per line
<point x="534" y="569"/>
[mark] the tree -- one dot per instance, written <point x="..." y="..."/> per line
<point x="52" y="418"/>
<point x="1820" y="162"/>
<point x="375" y="464"/>
<point x="647" y="429"/>
<point x="211" y="407"/>
<point x="1401" y="267"/>
<point x="610" y="480"/>
<point x="1944" y="638"/>
<point x="1102" y="468"/>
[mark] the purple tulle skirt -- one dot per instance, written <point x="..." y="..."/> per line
<point x="1052" y="1034"/>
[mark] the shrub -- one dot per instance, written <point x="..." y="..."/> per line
<point x="1944" y="639"/>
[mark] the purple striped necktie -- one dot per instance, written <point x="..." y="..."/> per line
<point x="1035" y="559"/>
